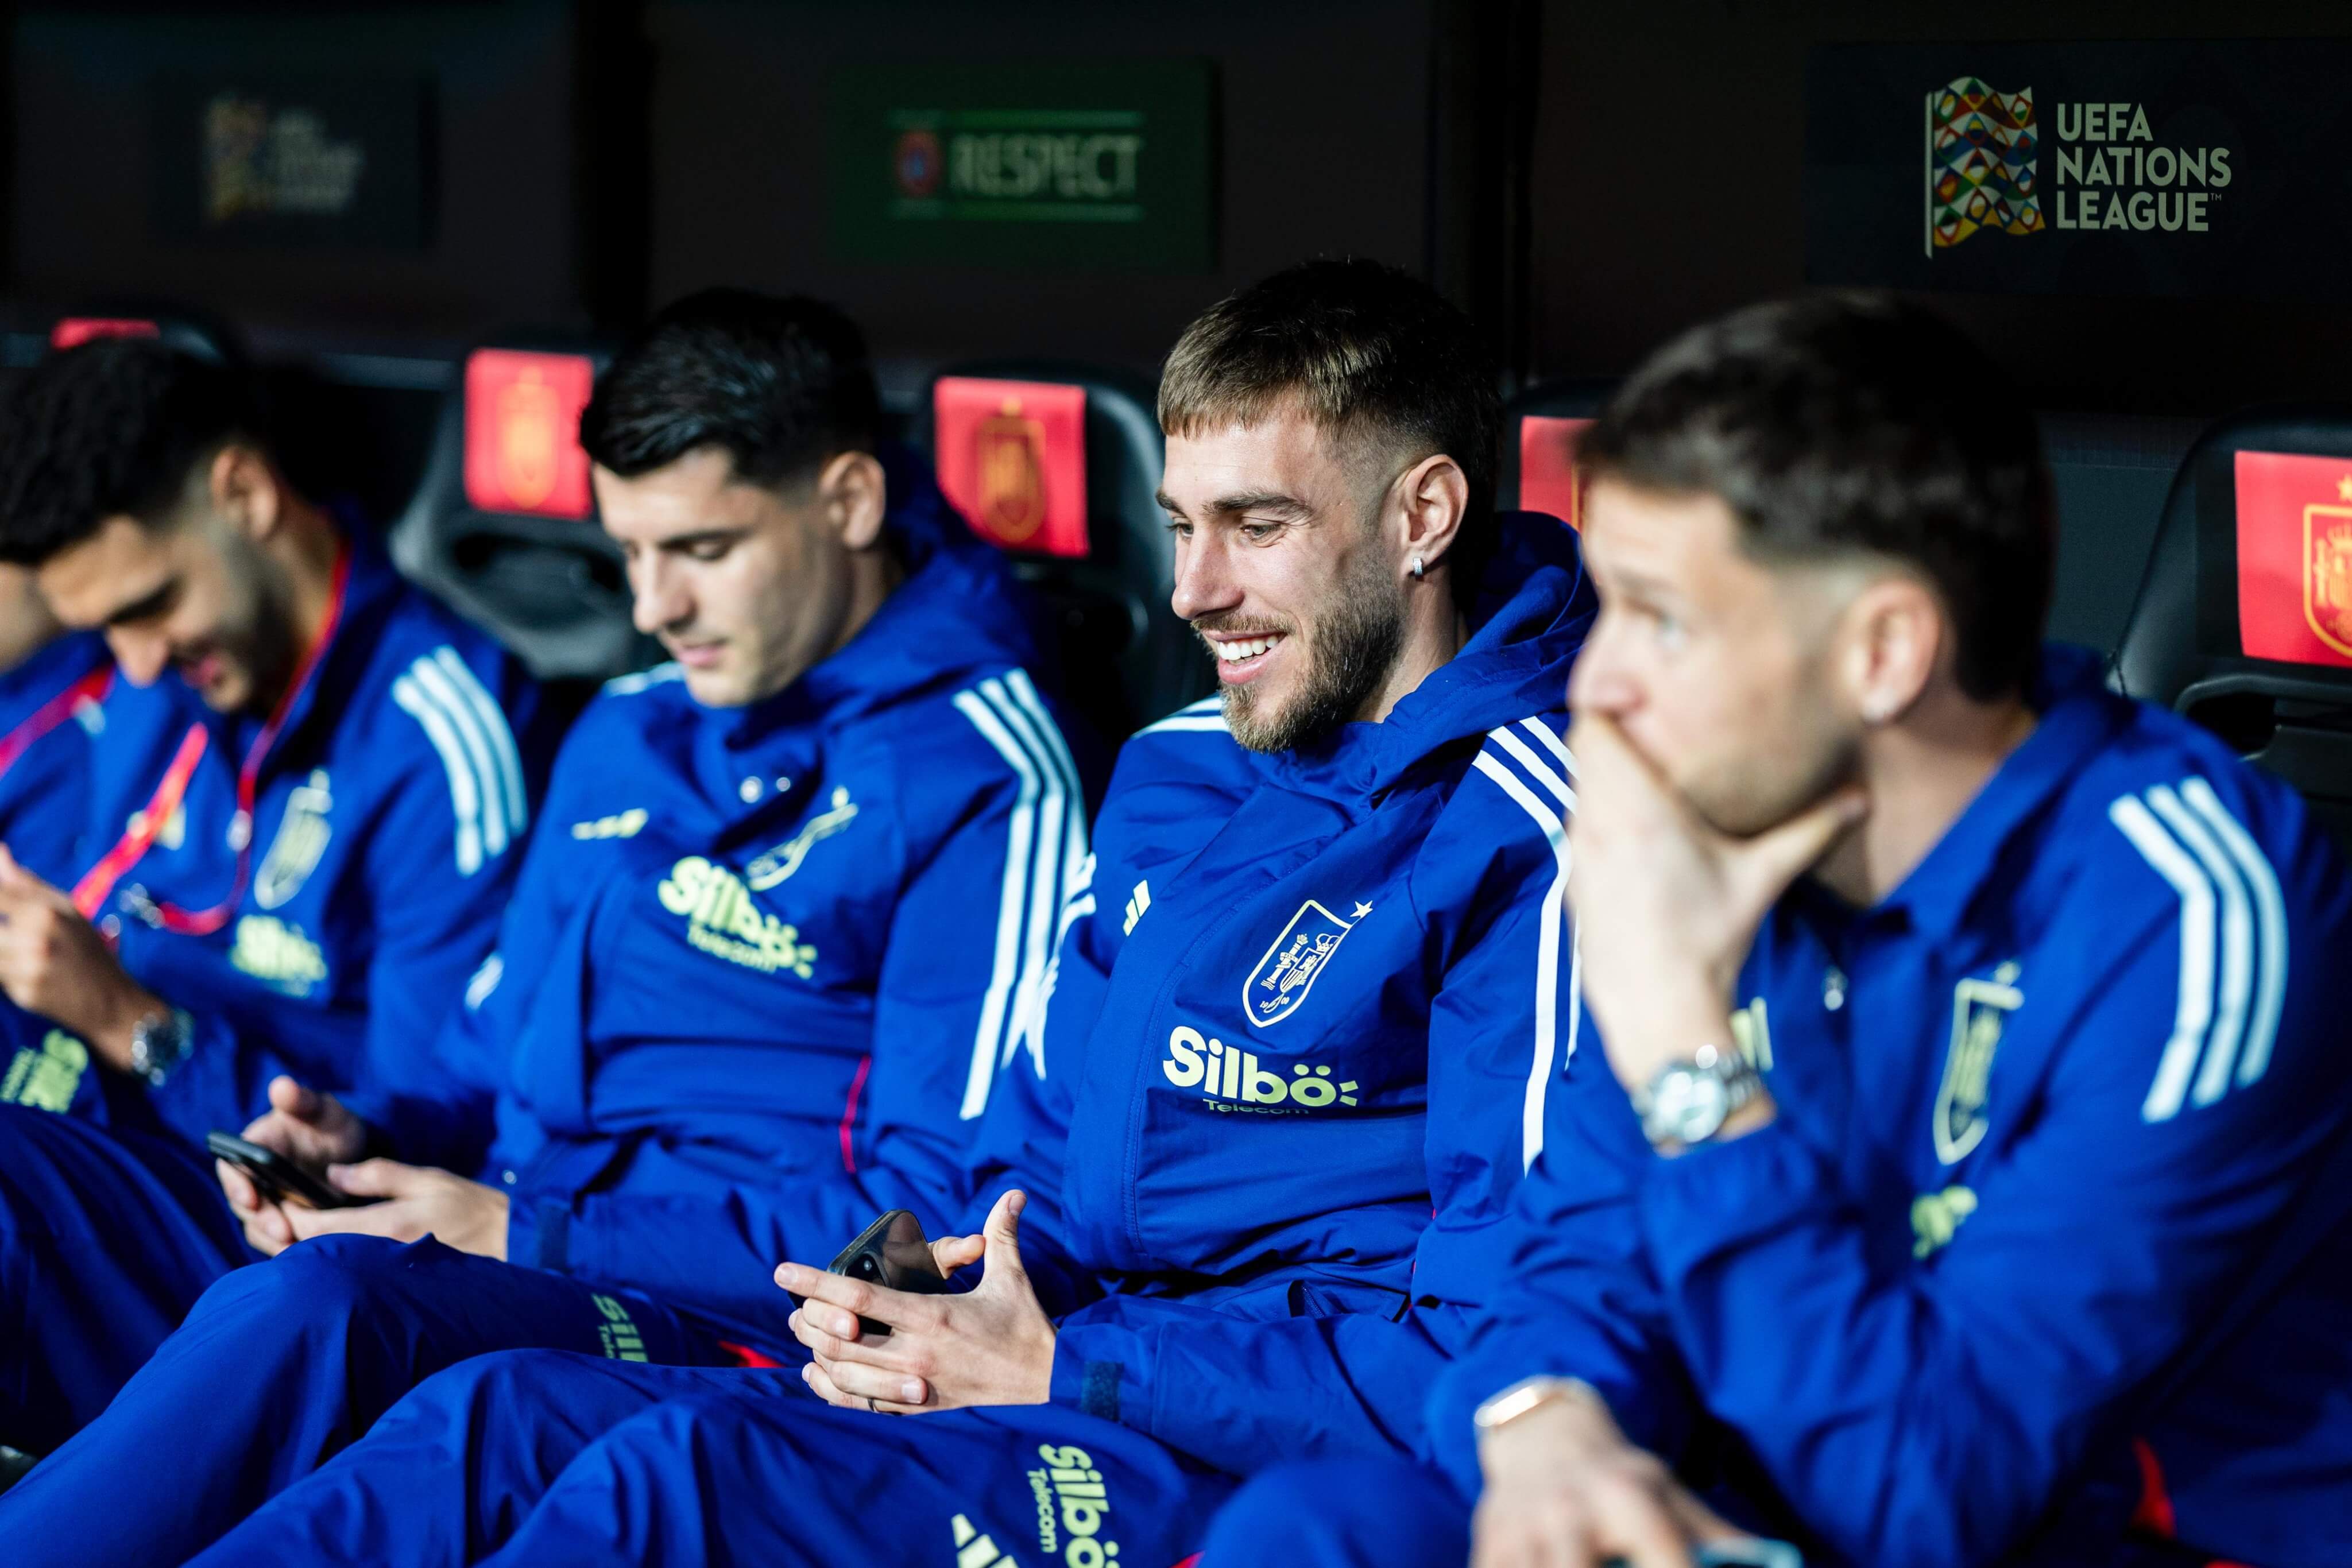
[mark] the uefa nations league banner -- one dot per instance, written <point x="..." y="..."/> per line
<point x="2214" y="168"/>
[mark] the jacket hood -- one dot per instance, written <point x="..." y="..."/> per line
<point x="1530" y="616"/>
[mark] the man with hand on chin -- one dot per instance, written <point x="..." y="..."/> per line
<point x="1955" y="1184"/>
<point x="1302" y="1025"/>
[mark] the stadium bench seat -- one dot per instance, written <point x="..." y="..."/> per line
<point x="503" y="525"/>
<point x="1058" y="466"/>
<point x="2243" y="619"/>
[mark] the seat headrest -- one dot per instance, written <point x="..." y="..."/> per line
<point x="1540" y="430"/>
<point x="522" y="417"/>
<point x="2250" y="581"/>
<point x="1011" y="457"/>
<point x="189" y="331"/>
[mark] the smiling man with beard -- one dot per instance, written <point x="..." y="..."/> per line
<point x="1303" y="1024"/>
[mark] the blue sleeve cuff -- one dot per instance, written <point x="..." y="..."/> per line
<point x="538" y="1232"/>
<point x="1086" y="1383"/>
<point x="1719" y="1195"/>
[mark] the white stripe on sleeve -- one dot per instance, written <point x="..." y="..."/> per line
<point x="2194" y="1010"/>
<point x="1548" y="933"/>
<point x="1011" y="902"/>
<point x="2270" y="907"/>
<point x="435" y="684"/>
<point x="2237" y="944"/>
<point x="501" y="737"/>
<point x="465" y="798"/>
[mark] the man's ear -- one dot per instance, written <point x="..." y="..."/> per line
<point x="1432" y="498"/>
<point x="1895" y="636"/>
<point x="244" y="487"/>
<point x="855" y="496"/>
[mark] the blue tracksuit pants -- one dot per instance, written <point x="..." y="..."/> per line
<point x="281" y="1365"/>
<point x="107" y="1237"/>
<point x="1341" y="1513"/>
<point x="536" y="1456"/>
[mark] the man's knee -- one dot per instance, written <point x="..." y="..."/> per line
<point x="327" y="1281"/>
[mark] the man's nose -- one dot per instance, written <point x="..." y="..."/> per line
<point x="1600" y="681"/>
<point x="658" y="600"/>
<point x="141" y="656"/>
<point x="1205" y="584"/>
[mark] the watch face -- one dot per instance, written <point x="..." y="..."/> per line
<point x="1686" y="1105"/>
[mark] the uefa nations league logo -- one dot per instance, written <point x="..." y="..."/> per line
<point x="1982" y="168"/>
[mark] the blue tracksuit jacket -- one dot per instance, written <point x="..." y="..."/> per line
<point x="49" y="712"/>
<point x="855" y="882"/>
<point x="1300" y="1030"/>
<point x="760" y="968"/>
<point x="1297" y="1046"/>
<point x="314" y="888"/>
<point x="2045" y="1233"/>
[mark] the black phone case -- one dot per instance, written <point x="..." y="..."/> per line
<point x="865" y="1259"/>
<point x="278" y="1177"/>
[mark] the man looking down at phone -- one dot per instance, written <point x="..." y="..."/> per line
<point x="1302" y="1023"/>
<point x="793" y="905"/>
<point x="305" y="796"/>
<point x="1999" y="1222"/>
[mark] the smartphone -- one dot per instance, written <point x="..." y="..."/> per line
<point x="891" y="1252"/>
<point x="278" y="1178"/>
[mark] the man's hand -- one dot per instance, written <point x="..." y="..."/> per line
<point x="54" y="963"/>
<point x="993" y="1346"/>
<point x="1666" y="907"/>
<point x="311" y="1129"/>
<point x="1565" y="1489"/>
<point x="418" y="1201"/>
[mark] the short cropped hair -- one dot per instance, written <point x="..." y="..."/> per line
<point x="113" y="427"/>
<point x="781" y="384"/>
<point x="1856" y="424"/>
<point x="1367" y="354"/>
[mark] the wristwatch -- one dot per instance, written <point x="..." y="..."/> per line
<point x="159" y="1042"/>
<point x="1688" y="1102"/>
<point x="1529" y="1394"/>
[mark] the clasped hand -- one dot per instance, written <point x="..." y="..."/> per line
<point x="992" y="1345"/>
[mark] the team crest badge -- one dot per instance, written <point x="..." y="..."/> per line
<point x="1279" y="984"/>
<point x="1011" y="474"/>
<point x="780" y="863"/>
<point x="1979" y="1009"/>
<point x="2327" y="572"/>
<point x="302" y="836"/>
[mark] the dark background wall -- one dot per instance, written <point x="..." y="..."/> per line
<point x="1586" y="176"/>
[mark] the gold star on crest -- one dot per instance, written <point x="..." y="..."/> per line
<point x="2343" y="488"/>
<point x="1364" y="909"/>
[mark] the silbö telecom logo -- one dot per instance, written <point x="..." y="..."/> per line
<point x="1984" y="169"/>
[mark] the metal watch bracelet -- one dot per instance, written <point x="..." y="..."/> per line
<point x="1527" y="1395"/>
<point x="159" y="1042"/>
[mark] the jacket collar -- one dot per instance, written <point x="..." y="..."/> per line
<point x="1529" y="617"/>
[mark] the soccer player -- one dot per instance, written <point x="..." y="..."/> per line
<point x="790" y="912"/>
<point x="1997" y="1223"/>
<point x="303" y="802"/>
<point x="1303" y="1025"/>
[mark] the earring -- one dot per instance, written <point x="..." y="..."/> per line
<point x="1415" y="568"/>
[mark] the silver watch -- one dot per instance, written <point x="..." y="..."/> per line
<point x="159" y="1042"/>
<point x="1688" y="1102"/>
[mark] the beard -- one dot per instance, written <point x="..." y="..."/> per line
<point x="1350" y="652"/>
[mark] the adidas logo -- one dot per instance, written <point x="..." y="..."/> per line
<point x="1136" y="906"/>
<point x="974" y="1550"/>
